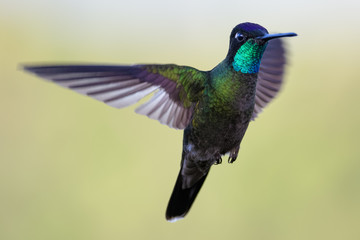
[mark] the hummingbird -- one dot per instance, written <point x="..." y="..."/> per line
<point x="214" y="108"/>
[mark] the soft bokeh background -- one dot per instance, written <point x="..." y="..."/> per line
<point x="74" y="168"/>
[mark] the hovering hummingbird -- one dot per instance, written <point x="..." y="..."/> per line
<point x="213" y="107"/>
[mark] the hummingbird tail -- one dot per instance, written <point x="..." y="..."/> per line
<point x="182" y="198"/>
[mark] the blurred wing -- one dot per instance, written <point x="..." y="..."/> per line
<point x="177" y="87"/>
<point x="270" y="76"/>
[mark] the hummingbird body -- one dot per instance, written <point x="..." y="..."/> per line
<point x="213" y="107"/>
<point x="218" y="125"/>
<point x="225" y="109"/>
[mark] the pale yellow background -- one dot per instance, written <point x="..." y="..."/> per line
<point x="74" y="168"/>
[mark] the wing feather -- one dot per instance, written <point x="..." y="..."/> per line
<point x="176" y="87"/>
<point x="270" y="76"/>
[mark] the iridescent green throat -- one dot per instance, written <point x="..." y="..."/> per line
<point x="247" y="58"/>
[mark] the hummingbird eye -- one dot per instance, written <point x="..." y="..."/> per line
<point x="239" y="37"/>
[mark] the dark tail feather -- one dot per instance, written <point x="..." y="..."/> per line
<point x="181" y="199"/>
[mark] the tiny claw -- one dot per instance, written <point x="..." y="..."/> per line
<point x="233" y="154"/>
<point x="231" y="159"/>
<point x="218" y="161"/>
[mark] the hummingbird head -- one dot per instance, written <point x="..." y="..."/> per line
<point x="247" y="44"/>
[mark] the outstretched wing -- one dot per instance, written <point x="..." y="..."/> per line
<point x="270" y="76"/>
<point x="177" y="87"/>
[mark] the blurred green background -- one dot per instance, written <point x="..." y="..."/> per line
<point x="74" y="168"/>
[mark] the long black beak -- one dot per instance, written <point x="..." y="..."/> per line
<point x="268" y="37"/>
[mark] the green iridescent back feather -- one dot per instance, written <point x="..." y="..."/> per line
<point x="227" y="93"/>
<point x="190" y="81"/>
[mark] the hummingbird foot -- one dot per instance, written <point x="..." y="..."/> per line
<point x="233" y="154"/>
<point x="218" y="159"/>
